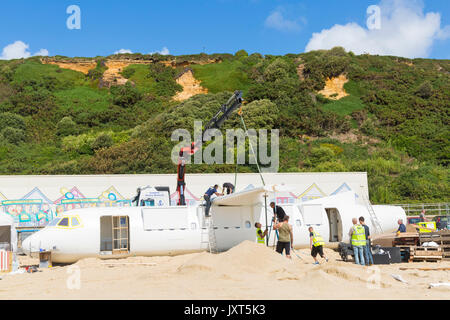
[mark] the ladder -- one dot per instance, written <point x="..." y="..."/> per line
<point x="209" y="235"/>
<point x="373" y="217"/>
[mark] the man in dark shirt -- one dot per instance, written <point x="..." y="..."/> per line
<point x="278" y="212"/>
<point x="401" y="226"/>
<point x="367" y="249"/>
<point x="207" y="197"/>
<point x="228" y="187"/>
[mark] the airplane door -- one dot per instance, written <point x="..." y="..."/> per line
<point x="334" y="220"/>
<point x="114" y="235"/>
<point x="121" y="235"/>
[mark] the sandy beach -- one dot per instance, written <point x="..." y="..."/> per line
<point x="247" y="271"/>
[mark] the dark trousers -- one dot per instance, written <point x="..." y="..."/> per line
<point x="208" y="204"/>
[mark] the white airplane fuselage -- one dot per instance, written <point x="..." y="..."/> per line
<point x="172" y="230"/>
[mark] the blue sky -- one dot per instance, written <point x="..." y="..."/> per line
<point x="416" y="29"/>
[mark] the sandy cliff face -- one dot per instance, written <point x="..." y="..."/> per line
<point x="82" y="66"/>
<point x="112" y="76"/>
<point x="191" y="86"/>
<point x="334" y="88"/>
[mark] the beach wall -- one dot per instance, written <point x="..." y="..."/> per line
<point x="46" y="196"/>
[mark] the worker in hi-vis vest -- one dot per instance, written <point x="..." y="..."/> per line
<point x="316" y="244"/>
<point x="259" y="234"/>
<point x="357" y="234"/>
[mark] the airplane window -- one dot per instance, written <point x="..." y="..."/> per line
<point x="247" y="224"/>
<point x="54" y="222"/>
<point x="64" y="222"/>
<point x="75" y="222"/>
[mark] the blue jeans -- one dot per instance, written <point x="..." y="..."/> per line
<point x="368" y="254"/>
<point x="359" y="254"/>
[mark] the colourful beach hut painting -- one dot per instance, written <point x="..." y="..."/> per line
<point x="2" y="197"/>
<point x="45" y="213"/>
<point x="284" y="198"/>
<point x="72" y="195"/>
<point x="343" y="188"/>
<point x="189" y="197"/>
<point x="111" y="197"/>
<point x="313" y="192"/>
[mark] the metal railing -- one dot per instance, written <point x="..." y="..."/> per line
<point x="434" y="209"/>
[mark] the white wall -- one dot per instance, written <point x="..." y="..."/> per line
<point x="92" y="186"/>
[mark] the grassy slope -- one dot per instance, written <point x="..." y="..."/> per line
<point x="224" y="76"/>
<point x="388" y="165"/>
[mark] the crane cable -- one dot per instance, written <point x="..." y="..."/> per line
<point x="257" y="165"/>
<point x="251" y="147"/>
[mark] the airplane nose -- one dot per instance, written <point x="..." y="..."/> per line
<point x="26" y="245"/>
<point x="29" y="245"/>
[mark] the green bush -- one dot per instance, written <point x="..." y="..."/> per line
<point x="66" y="127"/>
<point x="8" y="119"/>
<point x="125" y="96"/>
<point x="13" y="135"/>
<point x="277" y="70"/>
<point x="104" y="140"/>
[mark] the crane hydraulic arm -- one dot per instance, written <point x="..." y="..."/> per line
<point x="216" y="122"/>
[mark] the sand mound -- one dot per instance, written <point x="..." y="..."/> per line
<point x="246" y="258"/>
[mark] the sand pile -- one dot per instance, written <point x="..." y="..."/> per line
<point x="247" y="271"/>
<point x="247" y="259"/>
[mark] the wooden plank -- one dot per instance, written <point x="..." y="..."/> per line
<point x="426" y="269"/>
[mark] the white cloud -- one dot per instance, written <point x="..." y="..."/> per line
<point x="277" y="21"/>
<point x="19" y="50"/>
<point x="164" y="52"/>
<point x="122" y="51"/>
<point x="42" y="53"/>
<point x="405" y="31"/>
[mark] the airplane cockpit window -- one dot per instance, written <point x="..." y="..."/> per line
<point x="64" y="222"/>
<point x="75" y="222"/>
<point x="54" y="222"/>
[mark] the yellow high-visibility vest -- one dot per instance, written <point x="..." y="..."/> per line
<point x="260" y="240"/>
<point x="317" y="239"/>
<point x="358" y="236"/>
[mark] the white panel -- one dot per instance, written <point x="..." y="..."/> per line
<point x="164" y="218"/>
<point x="228" y="216"/>
<point x="312" y="213"/>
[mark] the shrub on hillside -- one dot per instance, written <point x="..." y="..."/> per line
<point x="125" y="96"/>
<point x="104" y="140"/>
<point x="425" y="90"/>
<point x="8" y="119"/>
<point x="241" y="54"/>
<point x="277" y="70"/>
<point x="13" y="135"/>
<point x="66" y="127"/>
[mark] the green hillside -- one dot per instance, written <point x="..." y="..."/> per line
<point x="394" y="123"/>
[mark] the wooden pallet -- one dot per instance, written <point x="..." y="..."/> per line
<point x="429" y="259"/>
<point x="442" y="238"/>
<point x="426" y="254"/>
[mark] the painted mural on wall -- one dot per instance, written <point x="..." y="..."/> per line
<point x="36" y="209"/>
<point x="313" y="192"/>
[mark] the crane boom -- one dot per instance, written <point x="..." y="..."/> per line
<point x="216" y="122"/>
